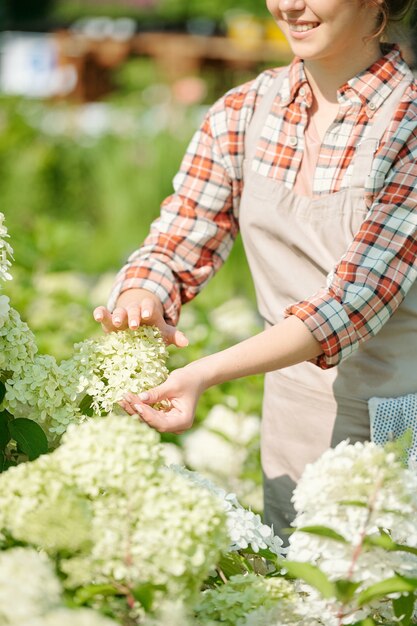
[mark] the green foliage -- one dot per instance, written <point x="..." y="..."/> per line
<point x="312" y="575"/>
<point x="160" y="12"/>
<point x="322" y="531"/>
<point x="29" y="436"/>
<point x="404" y="608"/>
<point x="396" y="584"/>
<point x="19" y="437"/>
<point x="5" y="435"/>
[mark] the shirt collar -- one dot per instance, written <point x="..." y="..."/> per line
<point x="371" y="87"/>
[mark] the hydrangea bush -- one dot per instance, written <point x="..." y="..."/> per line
<point x="101" y="531"/>
<point x="35" y="387"/>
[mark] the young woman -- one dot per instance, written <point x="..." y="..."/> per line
<point x="316" y="165"/>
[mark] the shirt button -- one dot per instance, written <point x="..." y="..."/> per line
<point x="293" y="141"/>
<point x="372" y="106"/>
<point x="302" y="92"/>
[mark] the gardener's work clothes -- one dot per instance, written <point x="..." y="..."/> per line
<point x="292" y="243"/>
<point x="342" y="260"/>
<point x="198" y="224"/>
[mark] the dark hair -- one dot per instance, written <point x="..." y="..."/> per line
<point x="391" y="11"/>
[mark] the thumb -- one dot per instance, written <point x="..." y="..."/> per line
<point x="174" y="336"/>
<point x="152" y="396"/>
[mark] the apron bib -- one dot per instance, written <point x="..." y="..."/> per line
<point x="292" y="243"/>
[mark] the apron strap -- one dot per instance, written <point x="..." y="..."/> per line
<point x="257" y="122"/>
<point x="368" y="145"/>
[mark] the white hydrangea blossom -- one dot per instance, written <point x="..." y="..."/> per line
<point x="250" y="599"/>
<point x="235" y="318"/>
<point x="38" y="496"/>
<point x="219" y="446"/>
<point x="219" y="449"/>
<point x="17" y="345"/>
<point x="245" y="528"/>
<point x="104" y="369"/>
<point x="43" y="394"/>
<point x="120" y="362"/>
<point x="29" y="587"/>
<point x="132" y="520"/>
<point x="4" y="310"/>
<point x="6" y="251"/>
<point x="31" y="594"/>
<point x="325" y="497"/>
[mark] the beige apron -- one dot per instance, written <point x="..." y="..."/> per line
<point x="292" y="243"/>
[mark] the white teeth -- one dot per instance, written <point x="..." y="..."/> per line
<point x="301" y="28"/>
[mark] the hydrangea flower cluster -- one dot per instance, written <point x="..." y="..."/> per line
<point x="380" y="494"/>
<point x="120" y="362"/>
<point x="30" y="593"/>
<point x="104" y="369"/>
<point x="252" y="600"/>
<point x="220" y="448"/>
<point x="112" y="513"/>
<point x="6" y="251"/>
<point x="28" y="586"/>
<point x="245" y="528"/>
<point x="17" y="342"/>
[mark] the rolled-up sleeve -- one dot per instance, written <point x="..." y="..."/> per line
<point x="193" y="236"/>
<point x="371" y="280"/>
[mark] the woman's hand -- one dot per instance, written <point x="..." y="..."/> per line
<point x="135" y="307"/>
<point x="181" y="390"/>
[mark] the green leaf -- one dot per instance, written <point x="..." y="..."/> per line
<point x="232" y="564"/>
<point x="312" y="576"/>
<point x="145" y="594"/>
<point x="2" y="391"/>
<point x="345" y="590"/>
<point x="29" y="436"/>
<point x="84" y="594"/>
<point x="323" y="531"/>
<point x="85" y="406"/>
<point x="368" y="621"/>
<point x="384" y="541"/>
<point x="404" y="608"/>
<point x="358" y="503"/>
<point x="4" y="429"/>
<point x="396" y="584"/>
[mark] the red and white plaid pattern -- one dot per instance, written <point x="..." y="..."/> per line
<point x="199" y="222"/>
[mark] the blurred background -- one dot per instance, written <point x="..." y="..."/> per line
<point x="98" y="100"/>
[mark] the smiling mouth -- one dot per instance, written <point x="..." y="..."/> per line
<point x="302" y="28"/>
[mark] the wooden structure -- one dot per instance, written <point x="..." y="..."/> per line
<point x="176" y="54"/>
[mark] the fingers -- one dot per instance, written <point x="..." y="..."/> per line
<point x="159" y="420"/>
<point x="172" y="421"/>
<point x="152" y="396"/>
<point x="104" y="317"/>
<point x="133" y="314"/>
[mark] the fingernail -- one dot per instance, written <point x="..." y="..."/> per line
<point x="98" y="317"/>
<point x="144" y="396"/>
<point x="146" y="314"/>
<point x="117" y="320"/>
<point x="138" y="409"/>
<point x="134" y="324"/>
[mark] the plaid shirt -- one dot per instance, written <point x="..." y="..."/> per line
<point x="198" y="223"/>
